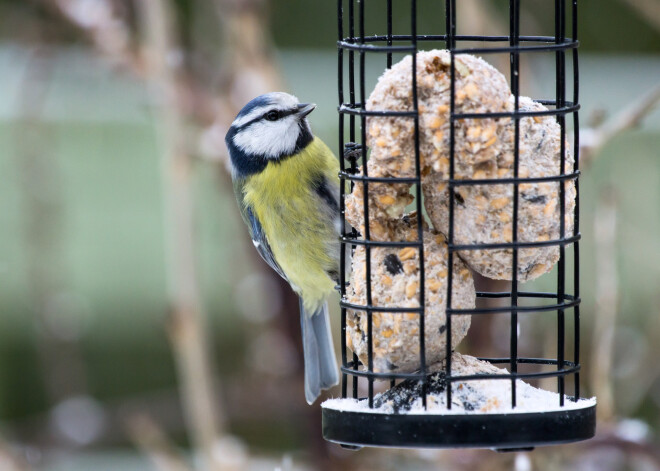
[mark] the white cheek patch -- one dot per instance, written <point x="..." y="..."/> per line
<point x="271" y="139"/>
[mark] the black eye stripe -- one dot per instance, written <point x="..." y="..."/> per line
<point x="280" y="113"/>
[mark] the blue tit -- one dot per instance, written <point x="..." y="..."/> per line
<point x="287" y="186"/>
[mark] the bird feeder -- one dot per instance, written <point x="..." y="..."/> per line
<point x="450" y="171"/>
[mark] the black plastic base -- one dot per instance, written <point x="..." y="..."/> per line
<point x="498" y="431"/>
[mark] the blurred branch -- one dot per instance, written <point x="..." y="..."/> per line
<point x="647" y="10"/>
<point x="106" y="26"/>
<point x="104" y="23"/>
<point x="607" y="302"/>
<point x="593" y="140"/>
<point x="149" y="438"/>
<point x="187" y="325"/>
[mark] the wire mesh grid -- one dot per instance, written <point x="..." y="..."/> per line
<point x="353" y="48"/>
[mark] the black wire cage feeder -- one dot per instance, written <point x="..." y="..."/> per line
<point x="376" y="405"/>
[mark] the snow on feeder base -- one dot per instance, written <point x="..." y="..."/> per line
<point x="480" y="416"/>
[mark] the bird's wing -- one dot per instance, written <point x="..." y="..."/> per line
<point x="256" y="231"/>
<point x="261" y="242"/>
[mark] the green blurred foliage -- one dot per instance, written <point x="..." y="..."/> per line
<point x="604" y="25"/>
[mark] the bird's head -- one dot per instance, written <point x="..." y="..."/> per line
<point x="271" y="127"/>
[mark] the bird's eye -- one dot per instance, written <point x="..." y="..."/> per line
<point x="272" y="115"/>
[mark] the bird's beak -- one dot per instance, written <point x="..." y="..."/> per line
<point x="305" y="108"/>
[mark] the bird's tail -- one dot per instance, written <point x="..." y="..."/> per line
<point x="320" y="363"/>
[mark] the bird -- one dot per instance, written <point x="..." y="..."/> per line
<point x="286" y="183"/>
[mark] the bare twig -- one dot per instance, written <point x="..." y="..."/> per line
<point x="187" y="331"/>
<point x="104" y="23"/>
<point x="106" y="27"/>
<point x="607" y="302"/>
<point x="149" y="438"/>
<point x="593" y="140"/>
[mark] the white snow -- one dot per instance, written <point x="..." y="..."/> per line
<point x="491" y="396"/>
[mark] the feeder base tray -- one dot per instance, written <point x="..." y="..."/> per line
<point x="501" y="431"/>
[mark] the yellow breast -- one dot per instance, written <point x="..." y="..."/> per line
<point x="301" y="233"/>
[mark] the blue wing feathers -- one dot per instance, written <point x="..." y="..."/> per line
<point x="260" y="242"/>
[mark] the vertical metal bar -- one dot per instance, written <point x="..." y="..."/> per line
<point x="451" y="31"/>
<point x="389" y="65"/>
<point x="576" y="312"/>
<point x="560" y="21"/>
<point x="453" y="24"/>
<point x="342" y="209"/>
<point x="450" y="24"/>
<point x="351" y="68"/>
<point x="514" y="33"/>
<point x="576" y="212"/>
<point x="367" y="235"/>
<point x="351" y="128"/>
<point x="389" y="32"/>
<point x="340" y="63"/>
<point x="355" y="378"/>
<point x="418" y="201"/>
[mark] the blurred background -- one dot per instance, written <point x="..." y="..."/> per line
<point x="139" y="329"/>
